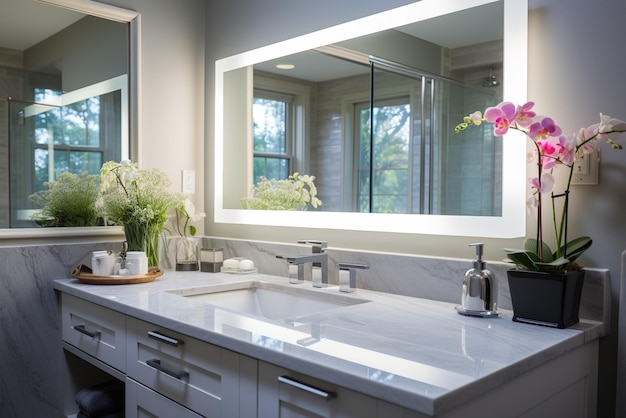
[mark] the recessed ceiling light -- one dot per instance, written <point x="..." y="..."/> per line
<point x="285" y="66"/>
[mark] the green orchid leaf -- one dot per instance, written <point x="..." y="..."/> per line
<point x="530" y="245"/>
<point x="555" y="265"/>
<point x="576" y="247"/>
<point x="192" y="230"/>
<point x="523" y="259"/>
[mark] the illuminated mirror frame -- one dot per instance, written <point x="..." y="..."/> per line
<point x="120" y="15"/>
<point x="511" y="224"/>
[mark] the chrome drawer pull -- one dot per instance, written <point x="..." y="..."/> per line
<point x="156" y="364"/>
<point x="164" y="338"/>
<point x="82" y="330"/>
<point x="303" y="386"/>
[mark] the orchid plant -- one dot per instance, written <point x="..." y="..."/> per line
<point x="551" y="149"/>
<point x="185" y="214"/>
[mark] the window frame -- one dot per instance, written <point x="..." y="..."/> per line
<point x="298" y="123"/>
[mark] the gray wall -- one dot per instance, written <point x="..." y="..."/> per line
<point x="568" y="78"/>
<point x="89" y="51"/>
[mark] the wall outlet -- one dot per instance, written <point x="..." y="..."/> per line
<point x="188" y="181"/>
<point x="586" y="169"/>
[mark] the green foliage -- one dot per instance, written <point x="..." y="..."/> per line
<point x="294" y="193"/>
<point x="129" y="194"/>
<point x="68" y="201"/>
<point x="530" y="257"/>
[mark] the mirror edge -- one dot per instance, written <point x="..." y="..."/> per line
<point x="121" y="15"/>
<point x="512" y="223"/>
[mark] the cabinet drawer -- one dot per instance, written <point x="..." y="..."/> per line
<point x="96" y="330"/>
<point x="142" y="402"/>
<point x="199" y="375"/>
<point x="286" y="394"/>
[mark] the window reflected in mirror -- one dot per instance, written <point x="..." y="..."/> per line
<point x="60" y="132"/>
<point x="379" y="137"/>
<point x="63" y="108"/>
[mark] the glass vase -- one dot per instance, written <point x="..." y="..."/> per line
<point x="187" y="254"/>
<point x="144" y="236"/>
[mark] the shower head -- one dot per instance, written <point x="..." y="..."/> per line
<point x="491" y="80"/>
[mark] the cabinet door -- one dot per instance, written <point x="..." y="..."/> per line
<point x="201" y="376"/>
<point x="287" y="394"/>
<point x="95" y="330"/>
<point x="142" y="402"/>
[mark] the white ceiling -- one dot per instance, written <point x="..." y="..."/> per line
<point x="24" y="23"/>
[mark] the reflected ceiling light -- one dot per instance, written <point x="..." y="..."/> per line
<point x="285" y="66"/>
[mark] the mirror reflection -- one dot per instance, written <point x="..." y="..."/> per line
<point x="63" y="106"/>
<point x="372" y="118"/>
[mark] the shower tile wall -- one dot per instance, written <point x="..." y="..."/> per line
<point x="327" y="152"/>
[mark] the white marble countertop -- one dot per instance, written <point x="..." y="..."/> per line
<point x="417" y="353"/>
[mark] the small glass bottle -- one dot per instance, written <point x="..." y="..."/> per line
<point x="187" y="254"/>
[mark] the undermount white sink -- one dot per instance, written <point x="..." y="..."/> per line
<point x="268" y="300"/>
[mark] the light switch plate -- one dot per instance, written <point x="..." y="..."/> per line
<point x="586" y="169"/>
<point x="188" y="181"/>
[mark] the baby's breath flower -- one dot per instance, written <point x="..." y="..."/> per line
<point x="294" y="193"/>
<point x="68" y="201"/>
<point x="129" y="194"/>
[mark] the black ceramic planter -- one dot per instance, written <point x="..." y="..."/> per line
<point x="547" y="299"/>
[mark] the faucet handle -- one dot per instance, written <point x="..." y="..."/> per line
<point x="317" y="246"/>
<point x="348" y="284"/>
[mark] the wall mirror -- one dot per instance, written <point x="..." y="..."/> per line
<point x="69" y="98"/>
<point x="480" y="45"/>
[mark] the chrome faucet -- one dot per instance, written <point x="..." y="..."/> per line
<point x="318" y="258"/>
<point x="347" y="280"/>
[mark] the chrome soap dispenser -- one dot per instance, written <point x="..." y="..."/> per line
<point x="480" y="289"/>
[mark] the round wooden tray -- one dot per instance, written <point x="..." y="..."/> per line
<point x="84" y="274"/>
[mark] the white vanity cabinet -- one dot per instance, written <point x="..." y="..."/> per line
<point x="167" y="374"/>
<point x="171" y="370"/>
<point x="286" y="394"/>
<point x="95" y="330"/>
<point x="203" y="377"/>
<point x="142" y="402"/>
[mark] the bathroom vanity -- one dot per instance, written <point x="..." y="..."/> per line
<point x="220" y="345"/>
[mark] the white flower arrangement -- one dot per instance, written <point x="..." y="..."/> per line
<point x="129" y="194"/>
<point x="297" y="192"/>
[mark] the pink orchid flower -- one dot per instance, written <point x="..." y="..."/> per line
<point x="524" y="115"/>
<point x="501" y="116"/>
<point x="547" y="152"/>
<point x="567" y="149"/>
<point x="544" y="129"/>
<point x="609" y="125"/>
<point x="547" y="183"/>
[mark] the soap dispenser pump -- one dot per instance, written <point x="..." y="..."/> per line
<point x="480" y="289"/>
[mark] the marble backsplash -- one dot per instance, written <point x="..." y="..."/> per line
<point x="435" y="278"/>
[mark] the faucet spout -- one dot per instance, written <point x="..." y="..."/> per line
<point x="320" y="259"/>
